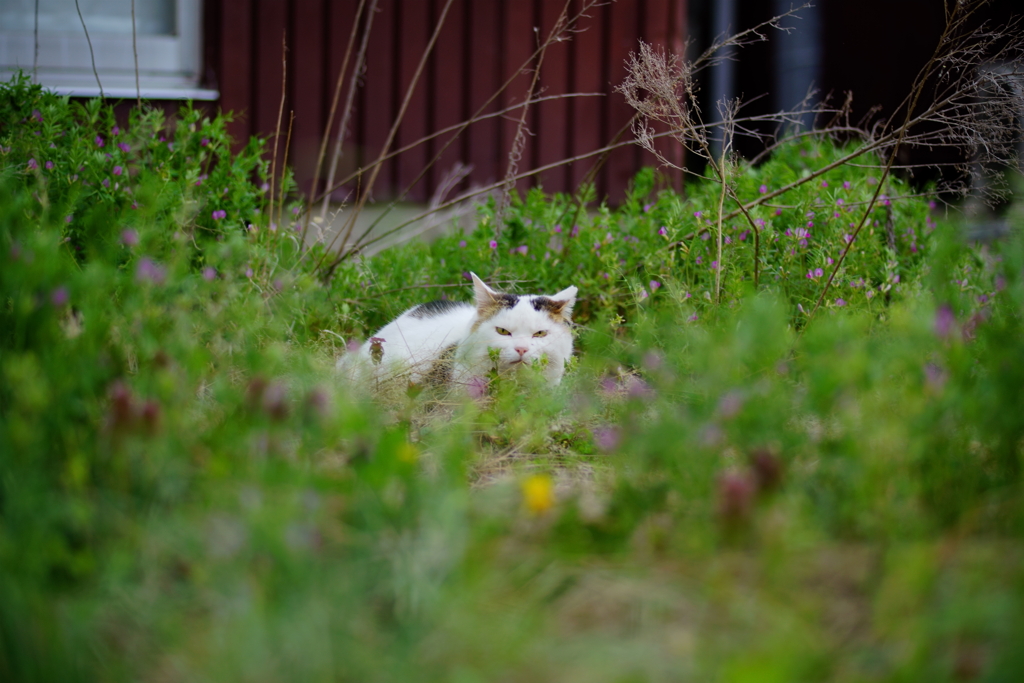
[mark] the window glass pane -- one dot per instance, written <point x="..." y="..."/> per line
<point x="152" y="17"/>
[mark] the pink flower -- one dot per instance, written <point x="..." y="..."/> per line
<point x="493" y="244"/>
<point x="129" y="237"/>
<point x="846" y="184"/>
<point x="59" y="296"/>
<point x="763" y="189"/>
<point x="462" y="244"/>
<point x="840" y="302"/>
<point x="219" y="214"/>
<point x="209" y="273"/>
<point x="643" y="294"/>
<point x="663" y="231"/>
<point x="778" y="211"/>
<point x="204" y="142"/>
<point x="607" y="438"/>
<point x="654" y="284"/>
<point x="697" y="214"/>
<point x="99" y="141"/>
<point x="149" y="271"/>
<point x="115" y="130"/>
<point x="476" y="387"/>
<point x="33" y="164"/>
<point x="824" y="183"/>
<point x="523" y="249"/>
<point x="124" y="147"/>
<point x="118" y="170"/>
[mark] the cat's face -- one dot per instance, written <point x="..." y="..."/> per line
<point x="523" y="329"/>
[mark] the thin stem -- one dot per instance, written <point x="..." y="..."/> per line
<point x="342" y="127"/>
<point x="277" y="128"/>
<point x="92" y="55"/>
<point x="135" y="53"/>
<point x="35" y="39"/>
<point x="361" y="202"/>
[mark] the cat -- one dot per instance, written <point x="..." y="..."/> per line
<point x="449" y="342"/>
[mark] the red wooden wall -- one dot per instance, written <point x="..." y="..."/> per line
<point x="482" y="43"/>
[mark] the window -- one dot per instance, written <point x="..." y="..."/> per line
<point x="168" y="38"/>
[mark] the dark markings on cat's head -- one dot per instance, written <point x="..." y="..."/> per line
<point x="553" y="307"/>
<point x="435" y="308"/>
<point x="497" y="301"/>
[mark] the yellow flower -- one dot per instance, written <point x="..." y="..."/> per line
<point x="407" y="452"/>
<point x="538" y="493"/>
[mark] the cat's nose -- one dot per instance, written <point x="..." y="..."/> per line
<point x="521" y="350"/>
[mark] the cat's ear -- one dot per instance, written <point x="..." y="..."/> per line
<point x="564" y="302"/>
<point x="484" y="295"/>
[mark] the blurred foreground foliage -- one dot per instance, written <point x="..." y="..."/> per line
<point x="724" y="491"/>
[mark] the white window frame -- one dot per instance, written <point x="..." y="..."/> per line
<point x="169" y="65"/>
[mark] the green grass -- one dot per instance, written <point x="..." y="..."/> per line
<point x="723" y="491"/>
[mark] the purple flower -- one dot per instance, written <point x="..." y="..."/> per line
<point x="204" y="142"/>
<point x="885" y="200"/>
<point x="763" y="189"/>
<point x="818" y="272"/>
<point x="115" y="130"/>
<point x="209" y="273"/>
<point x="643" y="294"/>
<point x="558" y="228"/>
<point x="129" y="237"/>
<point x="607" y="438"/>
<point x="945" y="320"/>
<point x="248" y="271"/>
<point x="106" y="182"/>
<point x="476" y="387"/>
<point x="67" y="219"/>
<point x="714" y="265"/>
<point x="523" y="249"/>
<point x="493" y="244"/>
<point x="840" y="303"/>
<point x="219" y="214"/>
<point x="575" y="231"/>
<point x="870" y="294"/>
<point x="846" y="184"/>
<point x="778" y="211"/>
<point x="49" y="165"/>
<point x="654" y="284"/>
<point x="824" y="183"/>
<point x="99" y="141"/>
<point x="118" y="170"/>
<point x="647" y="207"/>
<point x="37" y="115"/>
<point x="59" y="296"/>
<point x="32" y="164"/>
<point x="663" y="231"/>
<point x="124" y="147"/>
<point x="150" y="271"/>
<point x="692" y="318"/>
<point x="697" y="214"/>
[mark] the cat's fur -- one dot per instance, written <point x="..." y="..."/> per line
<point x="444" y="342"/>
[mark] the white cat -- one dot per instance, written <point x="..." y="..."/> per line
<point x="448" y="341"/>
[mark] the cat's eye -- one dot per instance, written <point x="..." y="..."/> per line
<point x="541" y="333"/>
<point x="502" y="331"/>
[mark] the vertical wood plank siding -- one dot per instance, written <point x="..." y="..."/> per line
<point x="483" y="44"/>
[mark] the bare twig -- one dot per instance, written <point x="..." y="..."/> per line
<point x="277" y="128"/>
<point x="343" y="126"/>
<point x="92" y="55"/>
<point x="135" y="53"/>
